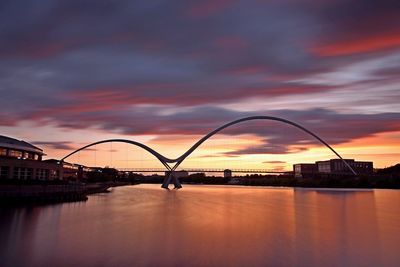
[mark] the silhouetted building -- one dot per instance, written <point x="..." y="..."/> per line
<point x="73" y="171"/>
<point x="363" y="167"/>
<point x="227" y="173"/>
<point x="332" y="166"/>
<point x="178" y="174"/>
<point x="20" y="160"/>
<point x="198" y="175"/>
<point x="303" y="170"/>
<point x="337" y="166"/>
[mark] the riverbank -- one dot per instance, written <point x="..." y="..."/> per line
<point x="373" y="181"/>
<point x="20" y="194"/>
<point x="51" y="193"/>
<point x="326" y="181"/>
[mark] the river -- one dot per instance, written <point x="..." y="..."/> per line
<point x="201" y="225"/>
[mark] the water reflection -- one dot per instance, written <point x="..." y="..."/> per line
<point x="207" y="226"/>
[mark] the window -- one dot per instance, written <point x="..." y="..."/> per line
<point x="4" y="171"/>
<point x="22" y="173"/>
<point x="324" y="167"/>
<point x="15" y="154"/>
<point x="297" y="168"/>
<point x="29" y="174"/>
<point x="3" y="152"/>
<point x="16" y="173"/>
<point x="54" y="174"/>
<point x="42" y="174"/>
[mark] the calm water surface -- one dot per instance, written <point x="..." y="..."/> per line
<point x="207" y="226"/>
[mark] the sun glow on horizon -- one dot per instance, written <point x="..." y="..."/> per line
<point x="219" y="152"/>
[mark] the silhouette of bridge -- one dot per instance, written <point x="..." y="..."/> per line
<point x="166" y="161"/>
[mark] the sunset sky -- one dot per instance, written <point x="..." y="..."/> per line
<point x="166" y="72"/>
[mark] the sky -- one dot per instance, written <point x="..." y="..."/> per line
<point x="167" y="72"/>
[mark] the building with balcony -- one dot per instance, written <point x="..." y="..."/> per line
<point x="20" y="160"/>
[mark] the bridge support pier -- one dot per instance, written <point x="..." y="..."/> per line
<point x="173" y="178"/>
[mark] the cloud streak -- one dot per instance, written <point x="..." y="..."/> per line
<point x="336" y="128"/>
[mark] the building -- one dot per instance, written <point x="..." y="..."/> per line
<point x="337" y="166"/>
<point x="333" y="167"/>
<point x="178" y="174"/>
<point x="363" y="167"/>
<point x="304" y="170"/>
<point x="73" y="171"/>
<point x="227" y="173"/>
<point x="70" y="171"/>
<point x="20" y="160"/>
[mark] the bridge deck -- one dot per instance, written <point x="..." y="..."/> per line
<point x="192" y="170"/>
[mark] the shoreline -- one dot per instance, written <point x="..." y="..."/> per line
<point x="283" y="186"/>
<point x="52" y="194"/>
<point x="48" y="193"/>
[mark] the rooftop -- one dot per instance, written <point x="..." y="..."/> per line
<point x="8" y="142"/>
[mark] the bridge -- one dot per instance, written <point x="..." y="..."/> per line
<point x="177" y="161"/>
<point x="202" y="170"/>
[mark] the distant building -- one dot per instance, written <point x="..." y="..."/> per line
<point x="227" y="173"/>
<point x="364" y="167"/>
<point x="332" y="166"/>
<point x="198" y="175"/>
<point x="72" y="171"/>
<point x="178" y="174"/>
<point x="20" y="160"/>
<point x="337" y="166"/>
<point x="302" y="170"/>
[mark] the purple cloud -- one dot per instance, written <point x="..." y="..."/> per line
<point x="172" y="67"/>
